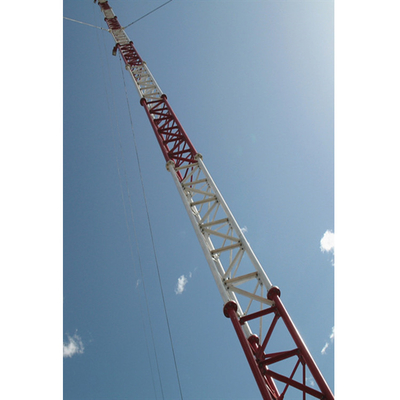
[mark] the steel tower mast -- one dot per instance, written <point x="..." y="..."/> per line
<point x="247" y="293"/>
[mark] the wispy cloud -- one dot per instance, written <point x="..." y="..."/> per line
<point x="327" y="243"/>
<point x="323" y="351"/>
<point x="310" y="381"/>
<point x="182" y="282"/>
<point x="74" y="345"/>
<point x="244" y="229"/>
<point x="327" y="344"/>
<point x="180" y="286"/>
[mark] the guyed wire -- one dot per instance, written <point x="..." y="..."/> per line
<point x="148" y="216"/>
<point x="85" y="23"/>
<point x="152" y="238"/>
<point x="127" y="224"/>
<point x="134" y="22"/>
<point x="162" y="5"/>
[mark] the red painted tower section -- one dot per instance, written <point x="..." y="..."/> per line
<point x="174" y="143"/>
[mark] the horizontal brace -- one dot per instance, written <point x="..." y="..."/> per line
<point x="149" y="92"/>
<point x="244" y="278"/>
<point x="143" y="79"/>
<point x="220" y="221"/>
<point x="249" y="295"/>
<point x="156" y="95"/>
<point x="194" y="183"/>
<point x="257" y="314"/>
<point x="222" y="235"/>
<point x="276" y="357"/>
<point x="187" y="166"/>
<point x="195" y="203"/>
<point x="226" y="248"/>
<point x="142" y="73"/>
<point x="147" y="85"/>
<point x="198" y="191"/>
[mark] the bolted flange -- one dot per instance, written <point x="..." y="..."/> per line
<point x="274" y="291"/>
<point x="230" y="305"/>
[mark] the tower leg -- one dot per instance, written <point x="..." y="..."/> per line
<point x="230" y="312"/>
<point x="273" y="294"/>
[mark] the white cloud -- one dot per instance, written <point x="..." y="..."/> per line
<point x="244" y="229"/>
<point x="323" y="351"/>
<point x="327" y="242"/>
<point x="310" y="381"/>
<point x="327" y="344"/>
<point x="73" y="346"/>
<point x="180" y="286"/>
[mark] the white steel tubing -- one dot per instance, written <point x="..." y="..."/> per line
<point x="220" y="234"/>
<point x="120" y="37"/>
<point x="217" y="222"/>
<point x="243" y="278"/>
<point x="262" y="300"/>
<point x="141" y="90"/>
<point x="262" y="275"/>
<point x="215" y="265"/>
<point x="211" y="262"/>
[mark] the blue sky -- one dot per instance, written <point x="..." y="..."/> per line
<point x="96" y="310"/>
<point x="252" y="84"/>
